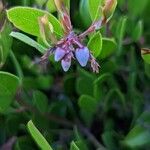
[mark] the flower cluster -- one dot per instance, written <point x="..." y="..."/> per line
<point x="71" y="48"/>
<point x="71" y="45"/>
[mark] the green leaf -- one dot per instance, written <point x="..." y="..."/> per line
<point x="137" y="32"/>
<point x="136" y="8"/>
<point x="80" y="141"/>
<point x="99" y="84"/>
<point x="121" y="27"/>
<point x="26" y="19"/>
<point x="120" y="33"/>
<point x="84" y="11"/>
<point x="82" y="144"/>
<point x="44" y="81"/>
<point x="108" y="48"/>
<point x="95" y="44"/>
<point x="146" y="58"/>
<point x="41" y="82"/>
<point x="8" y="83"/>
<point x="8" y="87"/>
<point x="84" y="84"/>
<point x="137" y="137"/>
<point x="88" y="103"/>
<point x="115" y="92"/>
<point x="74" y="146"/>
<point x="59" y="108"/>
<point x="38" y="137"/>
<point x="102" y="78"/>
<point x="40" y="101"/>
<point x="95" y="9"/>
<point x="109" y="66"/>
<point x="5" y="42"/>
<point x="24" y="38"/>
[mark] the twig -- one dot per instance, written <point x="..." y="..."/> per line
<point x="9" y="144"/>
<point x="91" y="137"/>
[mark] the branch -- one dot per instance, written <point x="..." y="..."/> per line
<point x="9" y="144"/>
<point x="90" y="136"/>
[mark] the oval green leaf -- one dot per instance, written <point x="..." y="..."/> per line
<point x="95" y="44"/>
<point x="95" y="9"/>
<point x="109" y="99"/>
<point x="120" y="33"/>
<point x="8" y="87"/>
<point x="26" y="19"/>
<point x="88" y="103"/>
<point x="40" y="101"/>
<point x="84" y="11"/>
<point x="5" y="42"/>
<point x="137" y="137"/>
<point x="108" y="48"/>
<point x="138" y="31"/>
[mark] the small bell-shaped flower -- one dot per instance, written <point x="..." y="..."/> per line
<point x="59" y="54"/>
<point x="66" y="62"/>
<point x="82" y="55"/>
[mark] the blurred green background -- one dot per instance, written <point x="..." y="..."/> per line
<point x="109" y="110"/>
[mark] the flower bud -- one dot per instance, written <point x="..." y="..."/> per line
<point x="62" y="4"/>
<point x="66" y="62"/>
<point x="109" y="8"/>
<point x="82" y="55"/>
<point x="46" y="30"/>
<point x="59" y="54"/>
<point x="59" y="5"/>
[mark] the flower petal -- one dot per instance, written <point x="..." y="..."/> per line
<point x="82" y="55"/>
<point x="59" y="54"/>
<point x="66" y="63"/>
